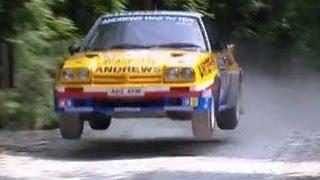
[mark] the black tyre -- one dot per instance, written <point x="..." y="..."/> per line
<point x="99" y="121"/>
<point x="228" y="119"/>
<point x="71" y="126"/>
<point x="203" y="124"/>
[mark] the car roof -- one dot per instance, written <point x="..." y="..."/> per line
<point x="170" y="13"/>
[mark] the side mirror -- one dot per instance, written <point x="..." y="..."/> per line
<point x="74" y="48"/>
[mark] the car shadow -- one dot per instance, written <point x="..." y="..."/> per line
<point x="131" y="149"/>
<point x="106" y="148"/>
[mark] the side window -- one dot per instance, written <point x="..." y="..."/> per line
<point x="215" y="41"/>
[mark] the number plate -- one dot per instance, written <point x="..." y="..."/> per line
<point x="125" y="92"/>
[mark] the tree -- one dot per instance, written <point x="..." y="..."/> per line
<point x="31" y="27"/>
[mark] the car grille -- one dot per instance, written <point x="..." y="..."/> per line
<point x="126" y="78"/>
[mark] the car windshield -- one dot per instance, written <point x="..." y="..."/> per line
<point x="140" y="32"/>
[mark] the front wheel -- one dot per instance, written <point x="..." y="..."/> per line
<point x="71" y="126"/>
<point x="99" y="122"/>
<point x="228" y="118"/>
<point x="203" y="124"/>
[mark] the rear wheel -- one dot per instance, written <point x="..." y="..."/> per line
<point x="71" y="126"/>
<point x="99" y="121"/>
<point x="203" y="124"/>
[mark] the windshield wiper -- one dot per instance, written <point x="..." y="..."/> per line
<point x="128" y="46"/>
<point x="138" y="46"/>
<point x="180" y="45"/>
<point x="118" y="46"/>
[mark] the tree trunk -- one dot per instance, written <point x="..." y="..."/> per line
<point x="152" y="5"/>
<point x="6" y="65"/>
<point x="148" y="5"/>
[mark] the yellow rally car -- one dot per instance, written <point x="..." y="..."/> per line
<point x="146" y="64"/>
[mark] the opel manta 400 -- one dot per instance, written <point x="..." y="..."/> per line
<point x="150" y="64"/>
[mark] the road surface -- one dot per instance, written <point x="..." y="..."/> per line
<point x="278" y="138"/>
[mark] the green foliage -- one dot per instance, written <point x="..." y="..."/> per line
<point x="305" y="21"/>
<point x="7" y="107"/>
<point x="38" y="42"/>
<point x="286" y="23"/>
<point x="85" y="13"/>
<point x="187" y="5"/>
<point x="41" y="31"/>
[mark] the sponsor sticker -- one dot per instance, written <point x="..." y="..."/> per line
<point x="132" y="18"/>
<point x="127" y="109"/>
<point x="194" y="101"/>
<point x="206" y="67"/>
<point x="129" y="69"/>
<point x="178" y="108"/>
<point x="78" y="109"/>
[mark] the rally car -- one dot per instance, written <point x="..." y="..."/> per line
<point x="150" y="64"/>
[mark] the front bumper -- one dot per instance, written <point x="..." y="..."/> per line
<point x="155" y="101"/>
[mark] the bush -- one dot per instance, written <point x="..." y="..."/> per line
<point x="40" y="44"/>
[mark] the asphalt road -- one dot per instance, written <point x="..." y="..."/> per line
<point x="278" y="138"/>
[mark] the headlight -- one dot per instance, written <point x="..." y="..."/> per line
<point x="187" y="73"/>
<point x="83" y="74"/>
<point x="172" y="74"/>
<point x="67" y="74"/>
